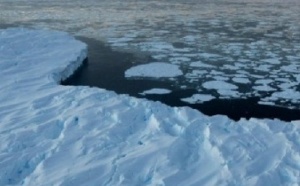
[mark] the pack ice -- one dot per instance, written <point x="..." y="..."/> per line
<point x="65" y="135"/>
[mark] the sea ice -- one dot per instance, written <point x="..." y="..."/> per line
<point x="198" y="98"/>
<point x="265" y="88"/>
<point x="156" y="46"/>
<point x="219" y="85"/>
<point x="273" y="61"/>
<point x="179" y="60"/>
<point x="231" y="67"/>
<point x="241" y="80"/>
<point x="228" y="93"/>
<point x="293" y="68"/>
<point x="196" y="73"/>
<point x="289" y="94"/>
<point x="266" y="103"/>
<point x="156" y="91"/>
<point x="221" y="78"/>
<point x="288" y="85"/>
<point x="297" y="76"/>
<point x="154" y="70"/>
<point x="264" y="81"/>
<point x="264" y="68"/>
<point x="201" y="64"/>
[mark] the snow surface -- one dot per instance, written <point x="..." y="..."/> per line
<point x="65" y="135"/>
<point x="154" y="70"/>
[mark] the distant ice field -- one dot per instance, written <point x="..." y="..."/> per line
<point x="241" y="44"/>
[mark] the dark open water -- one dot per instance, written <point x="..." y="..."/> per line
<point x="105" y="69"/>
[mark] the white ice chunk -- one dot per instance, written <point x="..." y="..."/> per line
<point x="288" y="85"/>
<point x="196" y="74"/>
<point x="209" y="55"/>
<point x="221" y="78"/>
<point x="264" y="67"/>
<point x="156" y="91"/>
<point x="274" y="61"/>
<point x="264" y="87"/>
<point x="231" y="67"/>
<point x="264" y="81"/>
<point x="287" y="94"/>
<point x="201" y="64"/>
<point x="266" y="103"/>
<point x="159" y="56"/>
<point x="155" y="70"/>
<point x="291" y="68"/>
<point x="297" y="76"/>
<point x="190" y="38"/>
<point x="219" y="85"/>
<point x="198" y="98"/>
<point x="156" y="46"/>
<point x="229" y="93"/>
<point x="241" y="80"/>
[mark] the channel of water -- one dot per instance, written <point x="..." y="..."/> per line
<point x="105" y="69"/>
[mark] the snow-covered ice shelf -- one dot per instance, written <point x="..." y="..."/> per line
<point x="65" y="135"/>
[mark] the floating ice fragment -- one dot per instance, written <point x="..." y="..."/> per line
<point x="219" y="85"/>
<point x="264" y="81"/>
<point x="263" y="87"/>
<point x="201" y="64"/>
<point x="156" y="91"/>
<point x="241" y="80"/>
<point x="229" y="93"/>
<point x="274" y="61"/>
<point x="198" y="98"/>
<point x="156" y="46"/>
<point x="155" y="70"/>
<point x="266" y="103"/>
<point x="287" y="94"/>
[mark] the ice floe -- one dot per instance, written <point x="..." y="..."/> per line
<point x="219" y="85"/>
<point x="288" y="94"/>
<point x="241" y="80"/>
<point x="264" y="87"/>
<point x="154" y="70"/>
<point x="198" y="98"/>
<point x="201" y="64"/>
<point x="273" y="61"/>
<point x="156" y="91"/>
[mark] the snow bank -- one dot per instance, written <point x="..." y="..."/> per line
<point x="64" y="135"/>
